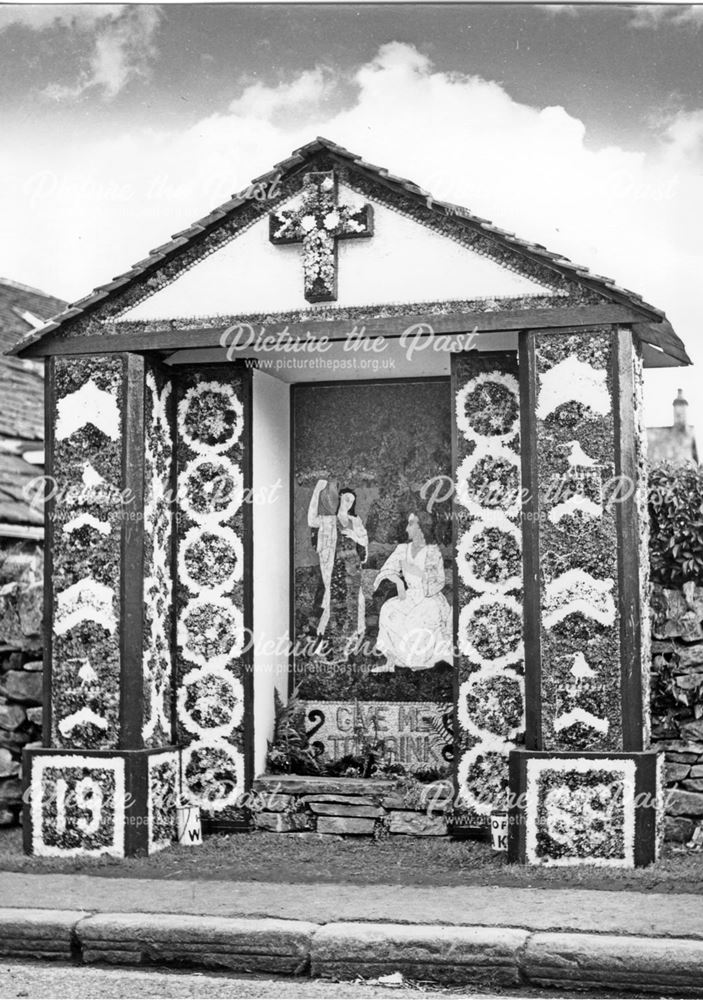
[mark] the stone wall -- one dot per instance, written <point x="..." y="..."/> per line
<point x="677" y="705"/>
<point x="21" y="590"/>
<point x="356" y="807"/>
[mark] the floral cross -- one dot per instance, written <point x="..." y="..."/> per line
<point x="318" y="224"/>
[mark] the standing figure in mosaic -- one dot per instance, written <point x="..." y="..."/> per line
<point x="342" y="548"/>
<point x="414" y="628"/>
<point x="322" y="519"/>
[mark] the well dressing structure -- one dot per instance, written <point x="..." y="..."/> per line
<point x="344" y="440"/>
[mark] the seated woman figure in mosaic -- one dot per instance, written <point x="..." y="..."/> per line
<point x="414" y="627"/>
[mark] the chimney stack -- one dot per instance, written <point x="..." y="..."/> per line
<point x="680" y="411"/>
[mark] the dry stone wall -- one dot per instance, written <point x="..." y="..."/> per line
<point x="21" y="591"/>
<point x="677" y="705"/>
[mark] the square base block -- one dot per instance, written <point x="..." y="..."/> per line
<point x="585" y="808"/>
<point x="87" y="803"/>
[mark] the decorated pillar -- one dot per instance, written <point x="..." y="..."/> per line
<point x="584" y="789"/>
<point x="107" y="779"/>
<point x="213" y="598"/>
<point x="488" y="577"/>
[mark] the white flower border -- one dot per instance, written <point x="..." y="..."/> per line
<point x="466" y="646"/>
<point x="216" y="516"/>
<point x="462" y="421"/>
<point x="463" y="493"/>
<point x="183" y="635"/>
<point x="222" y="389"/>
<point x="577" y="591"/>
<point x="39" y="765"/>
<point x="492" y="744"/>
<point x="468" y="724"/>
<point x="159" y="400"/>
<point x="87" y="600"/>
<point x="186" y="719"/>
<point x="237" y="758"/>
<point x="192" y="537"/>
<point x="465" y="551"/>
<point x="573" y="380"/>
<point x="535" y="769"/>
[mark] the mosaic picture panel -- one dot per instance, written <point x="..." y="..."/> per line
<point x="372" y="571"/>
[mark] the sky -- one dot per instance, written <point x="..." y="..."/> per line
<point x="577" y="126"/>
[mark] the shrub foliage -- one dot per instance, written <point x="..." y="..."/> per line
<point x="676" y="524"/>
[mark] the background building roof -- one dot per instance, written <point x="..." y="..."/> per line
<point x="22" y="310"/>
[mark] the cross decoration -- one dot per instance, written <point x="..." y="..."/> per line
<point x="318" y="224"/>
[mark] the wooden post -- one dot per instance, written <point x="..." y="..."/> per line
<point x="530" y="541"/>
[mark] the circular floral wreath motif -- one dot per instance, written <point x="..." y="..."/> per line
<point x="210" y="702"/>
<point x="211" y="631"/>
<point x="490" y="630"/>
<point x="211" y="489"/>
<point x="210" y="558"/>
<point x="491" y="705"/>
<point x="214" y="775"/>
<point x="488" y="480"/>
<point x="210" y="418"/>
<point x="487" y="407"/>
<point x="482" y="776"/>
<point x="489" y="556"/>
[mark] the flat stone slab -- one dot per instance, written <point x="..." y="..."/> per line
<point x="292" y="784"/>
<point x="346" y="825"/>
<point x="570" y="961"/>
<point x="350" y="808"/>
<point x="680" y="803"/>
<point x="361" y="800"/>
<point x="417" y="824"/>
<point x="278" y="822"/>
<point x="35" y="933"/>
<point x="457" y="955"/>
<point x="239" y="945"/>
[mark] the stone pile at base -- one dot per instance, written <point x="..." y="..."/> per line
<point x="357" y="807"/>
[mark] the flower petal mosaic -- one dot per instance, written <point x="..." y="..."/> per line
<point x="581" y="708"/>
<point x="210" y="636"/>
<point x="87" y="532"/>
<point x="490" y="708"/>
<point x="158" y="587"/>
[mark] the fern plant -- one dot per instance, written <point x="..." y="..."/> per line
<point x="289" y="752"/>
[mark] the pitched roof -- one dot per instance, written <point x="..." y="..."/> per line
<point x="650" y="330"/>
<point x="18" y="303"/>
<point x="21" y="403"/>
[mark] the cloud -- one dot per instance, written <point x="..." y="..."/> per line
<point x="304" y="93"/>
<point x="119" y="39"/>
<point x="559" y="8"/>
<point x="658" y="15"/>
<point x="38" y="17"/>
<point x="100" y="202"/>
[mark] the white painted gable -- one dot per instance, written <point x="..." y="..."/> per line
<point x="402" y="262"/>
